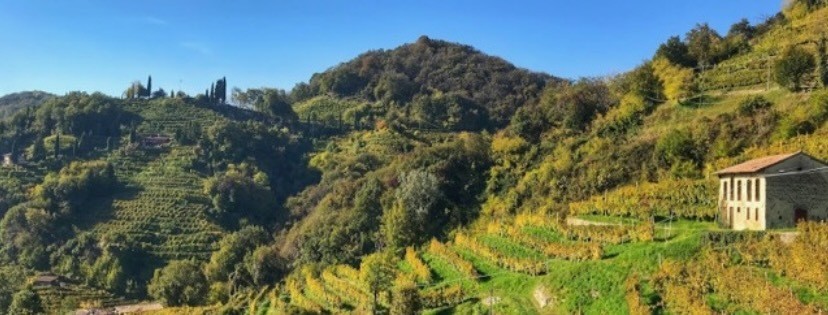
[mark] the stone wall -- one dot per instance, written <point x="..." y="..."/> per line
<point x="786" y="193"/>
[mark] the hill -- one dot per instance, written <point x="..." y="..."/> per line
<point x="430" y="82"/>
<point x="12" y="102"/>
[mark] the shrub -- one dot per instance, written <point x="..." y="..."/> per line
<point x="793" y="68"/>
<point x="179" y="283"/>
<point x="753" y="104"/>
<point x="676" y="146"/>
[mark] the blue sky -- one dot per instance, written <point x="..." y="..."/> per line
<point x="103" y="45"/>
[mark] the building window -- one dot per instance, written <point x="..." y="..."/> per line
<point x="749" y="189"/>
<point x="739" y="190"/>
<point x="757" y="190"/>
<point x="756" y="214"/>
<point x="731" y="188"/>
<point x="724" y="195"/>
<point x="747" y="214"/>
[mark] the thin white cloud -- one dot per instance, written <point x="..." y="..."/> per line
<point x="154" y="20"/>
<point x="198" y="47"/>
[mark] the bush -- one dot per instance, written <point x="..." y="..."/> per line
<point x="179" y="283"/>
<point x="753" y="104"/>
<point x="793" y="68"/>
<point x="676" y="147"/>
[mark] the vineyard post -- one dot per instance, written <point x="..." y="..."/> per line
<point x="491" y="301"/>
<point x="374" y="306"/>
<point x="768" y="78"/>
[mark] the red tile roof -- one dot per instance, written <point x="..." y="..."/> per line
<point x="757" y="165"/>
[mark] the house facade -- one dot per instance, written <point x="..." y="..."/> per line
<point x="8" y="161"/>
<point x="773" y="192"/>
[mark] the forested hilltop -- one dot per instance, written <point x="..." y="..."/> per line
<point x="426" y="178"/>
<point x="16" y="101"/>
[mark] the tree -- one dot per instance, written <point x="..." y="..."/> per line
<point x="405" y="298"/>
<point x="26" y="302"/>
<point x="11" y="278"/>
<point x="702" y="44"/>
<point x="232" y="251"/>
<point x="399" y="227"/>
<point x="574" y="106"/>
<point x="57" y="146"/>
<point x="149" y="87"/>
<point x="222" y="90"/>
<point x="677" y="81"/>
<point x="135" y="90"/>
<point x="676" y="146"/>
<point x="742" y="28"/>
<point x="417" y="200"/>
<point x="419" y="192"/>
<point x="38" y="150"/>
<point x="377" y="271"/>
<point x="179" y="283"/>
<point x="159" y="94"/>
<point x="242" y="190"/>
<point x="274" y="102"/>
<point x="822" y="62"/>
<point x="675" y="51"/>
<point x="793" y="68"/>
<point x="264" y="265"/>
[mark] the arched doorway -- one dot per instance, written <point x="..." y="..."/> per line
<point x="800" y="215"/>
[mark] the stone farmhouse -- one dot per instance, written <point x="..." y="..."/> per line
<point x="773" y="192"/>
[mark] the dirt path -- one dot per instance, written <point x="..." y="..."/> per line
<point x="582" y="222"/>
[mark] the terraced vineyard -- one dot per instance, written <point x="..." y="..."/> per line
<point x="171" y="116"/>
<point x="468" y="269"/>
<point x="63" y="297"/>
<point x="164" y="212"/>
<point x="19" y="179"/>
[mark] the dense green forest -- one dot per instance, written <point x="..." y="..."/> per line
<point x="16" y="101"/>
<point x="426" y="178"/>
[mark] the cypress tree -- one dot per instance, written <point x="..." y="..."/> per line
<point x="212" y="92"/>
<point x="14" y="148"/>
<point x="149" y="87"/>
<point x="57" y="145"/>
<point x="223" y="89"/>
<point x="38" y="150"/>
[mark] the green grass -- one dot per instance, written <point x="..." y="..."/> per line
<point x="609" y="219"/>
<point x="591" y="287"/>
<point x="444" y="273"/>
<point x="509" y="247"/>
<point x="512" y="288"/>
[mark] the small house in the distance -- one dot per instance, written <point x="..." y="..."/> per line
<point x="8" y="160"/>
<point x="773" y="192"/>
